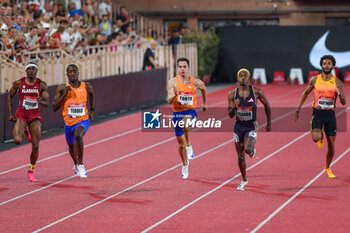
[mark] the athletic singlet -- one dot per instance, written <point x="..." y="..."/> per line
<point x="187" y="98"/>
<point x="74" y="105"/>
<point x="246" y="110"/>
<point x="324" y="93"/>
<point x="27" y="94"/>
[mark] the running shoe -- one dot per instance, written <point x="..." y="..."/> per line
<point x="27" y="133"/>
<point x="81" y="171"/>
<point x="329" y="173"/>
<point x="242" y="185"/>
<point x="320" y="143"/>
<point x="31" y="176"/>
<point x="253" y="154"/>
<point x="185" y="170"/>
<point x="190" y="154"/>
<point x="76" y="169"/>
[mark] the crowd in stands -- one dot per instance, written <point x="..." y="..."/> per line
<point x="54" y="24"/>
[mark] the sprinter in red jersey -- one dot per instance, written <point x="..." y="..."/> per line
<point x="31" y="92"/>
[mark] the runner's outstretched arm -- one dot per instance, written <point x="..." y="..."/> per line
<point x="304" y="96"/>
<point x="12" y="92"/>
<point x="265" y="102"/>
<point x="201" y="86"/>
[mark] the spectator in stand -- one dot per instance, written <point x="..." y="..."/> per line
<point x="65" y="35"/>
<point x="33" y="7"/>
<point x="9" y="10"/>
<point x="105" y="8"/>
<point x="32" y="39"/>
<point x="76" y="36"/>
<point x="7" y="47"/>
<point x="175" y="39"/>
<point x="20" y="45"/>
<point x="46" y="20"/>
<point x="77" y="3"/>
<point x="3" y="9"/>
<point x="7" y="22"/>
<point x="12" y="34"/>
<point x="80" y="11"/>
<point x="72" y="6"/>
<point x="60" y="11"/>
<point x="124" y="17"/>
<point x="106" y="26"/>
<point x="90" y="33"/>
<point x="19" y="22"/>
<point x="149" y="61"/>
<point x="43" y="36"/>
<point x="119" y="25"/>
<point x="57" y="36"/>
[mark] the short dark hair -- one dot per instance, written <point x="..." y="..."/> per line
<point x="330" y="57"/>
<point x="73" y="66"/>
<point x="183" y="59"/>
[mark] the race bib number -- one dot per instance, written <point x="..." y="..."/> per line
<point x="185" y="98"/>
<point x="244" y="114"/>
<point x="30" y="103"/>
<point x="325" y="103"/>
<point x="76" y="110"/>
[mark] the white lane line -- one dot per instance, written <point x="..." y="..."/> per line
<point x="127" y="189"/>
<point x="66" y="152"/>
<point x="110" y="162"/>
<point x="113" y="137"/>
<point x="226" y="182"/>
<point x="90" y="144"/>
<point x="295" y="195"/>
<point x="102" y="165"/>
<point x="223" y="184"/>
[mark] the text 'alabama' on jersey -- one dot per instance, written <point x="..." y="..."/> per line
<point x="246" y="110"/>
<point x="187" y="98"/>
<point x="74" y="105"/>
<point x="28" y="104"/>
<point x="325" y="93"/>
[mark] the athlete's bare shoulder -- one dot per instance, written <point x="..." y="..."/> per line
<point x="231" y="94"/>
<point x="171" y="82"/>
<point x="16" y="84"/>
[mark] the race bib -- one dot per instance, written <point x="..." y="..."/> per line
<point x="185" y="98"/>
<point x="244" y="114"/>
<point x="325" y="103"/>
<point x="76" y="110"/>
<point x="30" y="103"/>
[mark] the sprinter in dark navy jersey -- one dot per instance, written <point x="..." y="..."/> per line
<point x="242" y="104"/>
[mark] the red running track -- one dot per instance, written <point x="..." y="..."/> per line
<point x="134" y="182"/>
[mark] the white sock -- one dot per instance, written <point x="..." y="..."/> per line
<point x="189" y="150"/>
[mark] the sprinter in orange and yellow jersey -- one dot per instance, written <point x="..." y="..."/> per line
<point x="326" y="90"/>
<point x="182" y="95"/>
<point x="74" y="97"/>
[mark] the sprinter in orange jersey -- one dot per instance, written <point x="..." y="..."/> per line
<point x="326" y="90"/>
<point x="73" y="97"/>
<point x="32" y="92"/>
<point x="182" y="95"/>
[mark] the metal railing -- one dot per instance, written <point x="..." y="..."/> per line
<point x="94" y="62"/>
